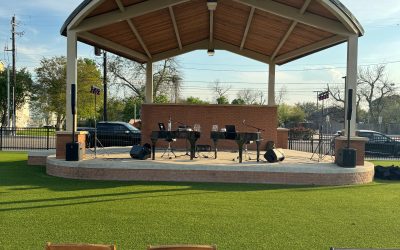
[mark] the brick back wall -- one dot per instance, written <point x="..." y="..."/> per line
<point x="264" y="117"/>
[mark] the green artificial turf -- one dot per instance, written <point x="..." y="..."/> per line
<point x="36" y="208"/>
<point x="386" y="163"/>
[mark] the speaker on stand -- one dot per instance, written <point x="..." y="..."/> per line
<point x="73" y="150"/>
<point x="347" y="157"/>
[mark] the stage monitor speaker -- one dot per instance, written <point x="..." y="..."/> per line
<point x="74" y="151"/>
<point x="274" y="155"/>
<point x="347" y="157"/>
<point x="141" y="152"/>
<point x="350" y="104"/>
<point x="73" y="99"/>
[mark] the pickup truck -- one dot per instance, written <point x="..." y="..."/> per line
<point x="111" y="134"/>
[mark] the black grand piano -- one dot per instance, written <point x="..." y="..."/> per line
<point x="191" y="136"/>
<point x="240" y="137"/>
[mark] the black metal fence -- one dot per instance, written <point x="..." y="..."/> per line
<point x="27" y="138"/>
<point x="378" y="147"/>
<point x="322" y="144"/>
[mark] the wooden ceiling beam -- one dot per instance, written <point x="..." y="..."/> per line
<point x="110" y="44"/>
<point x="129" y="13"/>
<point x="290" y="30"/>
<point x="246" y="31"/>
<point x="243" y="52"/>
<point x="211" y="42"/>
<point x="309" y="49"/>
<point x="178" y="38"/>
<point x="292" y="13"/>
<point x="133" y="29"/>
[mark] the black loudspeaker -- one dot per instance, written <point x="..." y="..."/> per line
<point x="97" y="51"/>
<point x="73" y="99"/>
<point x="74" y="151"/>
<point x="274" y="155"/>
<point x="141" y="152"/>
<point x="350" y="104"/>
<point x="347" y="157"/>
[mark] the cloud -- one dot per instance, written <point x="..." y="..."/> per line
<point x="50" y="6"/>
<point x="381" y="12"/>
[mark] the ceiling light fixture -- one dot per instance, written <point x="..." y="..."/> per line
<point x="210" y="52"/>
<point x="212" y="5"/>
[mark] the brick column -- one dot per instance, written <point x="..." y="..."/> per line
<point x="357" y="143"/>
<point x="64" y="137"/>
<point x="282" y="138"/>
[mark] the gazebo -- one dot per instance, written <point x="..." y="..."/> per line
<point x="274" y="32"/>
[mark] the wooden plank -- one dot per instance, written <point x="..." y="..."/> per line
<point x="157" y="31"/>
<point x="302" y="36"/>
<point x="230" y="22"/>
<point x="120" y="33"/>
<point x="265" y="32"/>
<point x="283" y="58"/>
<point x="293" y="14"/>
<point x="110" y="44"/>
<point x="192" y="20"/>
<point x="178" y="38"/>
<point x="132" y="11"/>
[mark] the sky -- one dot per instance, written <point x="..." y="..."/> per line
<point x="40" y="21"/>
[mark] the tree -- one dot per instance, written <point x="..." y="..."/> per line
<point x="392" y="106"/>
<point x="309" y="108"/>
<point x="222" y="100"/>
<point x="127" y="74"/>
<point x="238" y="101"/>
<point x="280" y="97"/>
<point x="194" y="100"/>
<point x="50" y="87"/>
<point x="251" y="97"/>
<point x="372" y="87"/>
<point x="288" y="114"/>
<point x="220" y="92"/>
<point x="115" y="109"/>
<point x="22" y="91"/>
<point x="375" y="86"/>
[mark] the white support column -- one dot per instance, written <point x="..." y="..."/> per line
<point x="271" y="84"/>
<point x="351" y="81"/>
<point x="72" y="75"/>
<point x="149" y="82"/>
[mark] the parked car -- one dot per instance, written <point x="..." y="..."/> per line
<point x="379" y="144"/>
<point x="112" y="134"/>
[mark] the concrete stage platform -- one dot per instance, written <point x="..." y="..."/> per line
<point x="296" y="169"/>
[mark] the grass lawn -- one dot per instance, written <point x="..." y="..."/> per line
<point x="36" y="208"/>
<point x="386" y="163"/>
<point x="36" y="132"/>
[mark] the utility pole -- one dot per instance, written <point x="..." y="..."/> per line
<point x="14" y="70"/>
<point x="14" y="118"/>
<point x="105" y="86"/>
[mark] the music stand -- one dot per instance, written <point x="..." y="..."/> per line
<point x="161" y="126"/>
<point x="230" y="132"/>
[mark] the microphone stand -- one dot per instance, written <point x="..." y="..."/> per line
<point x="251" y="126"/>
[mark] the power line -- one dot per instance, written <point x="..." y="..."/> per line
<point x="284" y="70"/>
